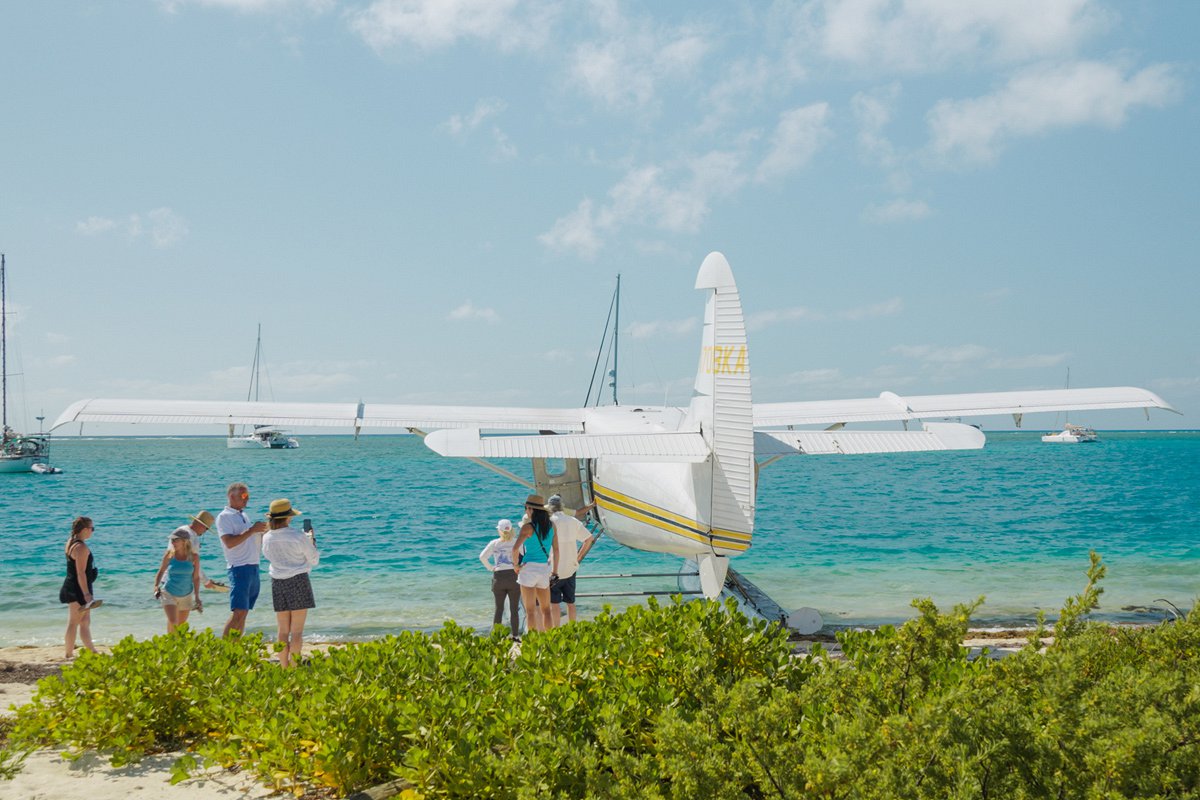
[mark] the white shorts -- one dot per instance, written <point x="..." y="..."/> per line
<point x="184" y="603"/>
<point x="534" y="576"/>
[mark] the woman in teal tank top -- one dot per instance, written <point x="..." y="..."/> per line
<point x="179" y="593"/>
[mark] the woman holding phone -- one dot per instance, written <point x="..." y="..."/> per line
<point x="292" y="555"/>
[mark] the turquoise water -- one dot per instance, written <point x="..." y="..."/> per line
<point x="400" y="528"/>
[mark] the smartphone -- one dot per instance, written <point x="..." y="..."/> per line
<point x="307" y="525"/>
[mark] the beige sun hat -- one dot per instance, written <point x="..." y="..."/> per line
<point x="204" y="518"/>
<point x="282" y="508"/>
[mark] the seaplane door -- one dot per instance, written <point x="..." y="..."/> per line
<point x="561" y="476"/>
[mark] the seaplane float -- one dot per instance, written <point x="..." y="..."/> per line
<point x="676" y="480"/>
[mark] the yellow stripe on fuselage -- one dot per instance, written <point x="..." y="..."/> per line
<point x="664" y="520"/>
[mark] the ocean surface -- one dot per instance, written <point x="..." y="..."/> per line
<point x="400" y="530"/>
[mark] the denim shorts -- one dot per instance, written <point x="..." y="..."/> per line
<point x="243" y="587"/>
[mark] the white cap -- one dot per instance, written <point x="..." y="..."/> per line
<point x="504" y="525"/>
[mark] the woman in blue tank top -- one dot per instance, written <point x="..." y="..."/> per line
<point x="179" y="592"/>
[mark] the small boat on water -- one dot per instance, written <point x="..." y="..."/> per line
<point x="264" y="437"/>
<point x="18" y="452"/>
<point x="1072" y="434"/>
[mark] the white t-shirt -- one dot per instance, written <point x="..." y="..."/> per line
<point x="232" y="522"/>
<point x="571" y="533"/>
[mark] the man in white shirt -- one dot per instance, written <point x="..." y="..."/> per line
<point x="242" y="544"/>
<point x="571" y="534"/>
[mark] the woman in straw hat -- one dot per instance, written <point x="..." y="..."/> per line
<point x="537" y="559"/>
<point x="292" y="556"/>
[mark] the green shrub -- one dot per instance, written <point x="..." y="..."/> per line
<point x="676" y="701"/>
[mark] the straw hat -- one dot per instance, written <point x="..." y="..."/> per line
<point x="282" y="508"/>
<point x="536" y="501"/>
<point x="204" y="518"/>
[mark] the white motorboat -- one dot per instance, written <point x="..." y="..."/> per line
<point x="18" y="452"/>
<point x="264" y="437"/>
<point x="1072" y="434"/>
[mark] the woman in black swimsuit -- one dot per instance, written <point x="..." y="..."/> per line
<point x="76" y="590"/>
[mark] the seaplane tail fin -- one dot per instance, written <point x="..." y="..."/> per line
<point x="722" y="408"/>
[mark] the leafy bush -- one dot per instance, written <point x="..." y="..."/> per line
<point x="678" y="701"/>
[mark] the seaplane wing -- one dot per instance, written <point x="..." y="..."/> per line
<point x="349" y="415"/>
<point x="934" y="436"/>
<point x="672" y="447"/>
<point x="892" y="407"/>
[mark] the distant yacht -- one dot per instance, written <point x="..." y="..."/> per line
<point x="264" y="436"/>
<point x="1071" y="434"/>
<point x="18" y="452"/>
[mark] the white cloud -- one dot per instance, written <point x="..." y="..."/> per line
<point x="678" y="327"/>
<point x="1030" y="362"/>
<point x="558" y="356"/>
<point x="887" y="308"/>
<point x="164" y="227"/>
<point x="798" y="136"/>
<point x="469" y="310"/>
<point x="923" y="35"/>
<point x="62" y="361"/>
<point x="625" y="68"/>
<point x="432" y="24"/>
<point x="763" y="319"/>
<point x="1044" y="98"/>
<point x="94" y="225"/>
<point x="249" y="6"/>
<point x="646" y="196"/>
<point x="899" y="210"/>
<point x="930" y="354"/>
<point x="460" y="125"/>
<point x="57" y="338"/>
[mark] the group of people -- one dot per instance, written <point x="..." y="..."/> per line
<point x="533" y="564"/>
<point x="291" y="555"/>
<point x="538" y="563"/>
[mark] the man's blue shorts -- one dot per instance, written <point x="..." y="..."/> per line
<point x="243" y="587"/>
<point x="563" y="591"/>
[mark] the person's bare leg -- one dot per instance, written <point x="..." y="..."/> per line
<point x="283" y="625"/>
<point x="532" y="614"/>
<point x="172" y="617"/>
<point x="72" y="629"/>
<point x="543" y="597"/>
<point x="556" y="615"/>
<point x="85" y="629"/>
<point x="571" y="612"/>
<point x="296" y="643"/>
<point x="181" y="616"/>
<point x="237" y="621"/>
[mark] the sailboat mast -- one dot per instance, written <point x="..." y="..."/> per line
<point x="616" y="331"/>
<point x="253" y="390"/>
<point x="4" y="339"/>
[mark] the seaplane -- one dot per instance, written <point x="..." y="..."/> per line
<point x="676" y="480"/>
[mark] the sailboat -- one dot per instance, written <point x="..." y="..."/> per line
<point x="267" y="437"/>
<point x="18" y="453"/>
<point x="1071" y="434"/>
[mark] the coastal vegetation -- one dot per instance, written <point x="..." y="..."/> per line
<point x="676" y="700"/>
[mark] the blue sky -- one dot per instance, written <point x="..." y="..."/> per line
<point x="429" y="201"/>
